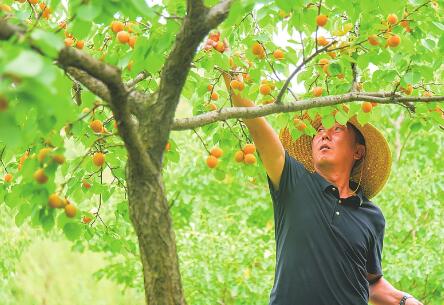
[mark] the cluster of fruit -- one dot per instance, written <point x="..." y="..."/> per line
<point x="69" y="38"/>
<point x="43" y="157"/>
<point x="214" y="42"/>
<point x="56" y="202"/>
<point x="123" y="33"/>
<point x="245" y="155"/>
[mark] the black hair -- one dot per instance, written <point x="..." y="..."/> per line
<point x="359" y="138"/>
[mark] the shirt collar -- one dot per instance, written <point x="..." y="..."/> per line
<point x="354" y="200"/>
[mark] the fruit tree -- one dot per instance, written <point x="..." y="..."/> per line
<point x="89" y="92"/>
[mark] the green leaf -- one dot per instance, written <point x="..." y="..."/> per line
<point x="416" y="126"/>
<point x="72" y="230"/>
<point x="89" y="11"/>
<point x="21" y="65"/>
<point x="328" y="121"/>
<point x="48" y="42"/>
<point x="80" y="28"/>
<point x="341" y="118"/>
<point x="24" y="212"/>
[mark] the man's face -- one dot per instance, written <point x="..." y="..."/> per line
<point x="334" y="147"/>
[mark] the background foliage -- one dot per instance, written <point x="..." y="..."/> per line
<point x="222" y="217"/>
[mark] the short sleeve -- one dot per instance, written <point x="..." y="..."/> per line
<point x="293" y="170"/>
<point x="374" y="265"/>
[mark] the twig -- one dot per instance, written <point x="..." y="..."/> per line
<point x="202" y="141"/>
<point x="298" y="68"/>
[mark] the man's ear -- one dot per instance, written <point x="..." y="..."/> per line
<point x="359" y="152"/>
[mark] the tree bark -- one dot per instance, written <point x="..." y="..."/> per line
<point x="150" y="216"/>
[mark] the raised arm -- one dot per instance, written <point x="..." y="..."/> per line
<point x="265" y="138"/>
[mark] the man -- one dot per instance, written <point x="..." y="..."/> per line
<point x="329" y="235"/>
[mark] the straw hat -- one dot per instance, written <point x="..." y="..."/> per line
<point x="371" y="174"/>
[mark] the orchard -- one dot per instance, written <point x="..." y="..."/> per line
<point x="115" y="116"/>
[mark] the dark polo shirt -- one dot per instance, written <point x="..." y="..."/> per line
<point x="325" y="245"/>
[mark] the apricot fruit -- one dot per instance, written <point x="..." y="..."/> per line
<point x="55" y="201"/>
<point x="265" y="89"/>
<point x="43" y="153"/>
<point x="116" y="26"/>
<point x="212" y="161"/>
<point x="217" y="152"/>
<point x="70" y="210"/>
<point x="59" y="159"/>
<point x="8" y="177"/>
<point x="394" y="41"/>
<point x="69" y="41"/>
<point x="249" y="159"/>
<point x="317" y="91"/>
<point x="214" y="96"/>
<point x="321" y="20"/>
<point x="373" y="40"/>
<point x="249" y="148"/>
<point x="366" y="107"/>
<point x="257" y="49"/>
<point x="239" y="156"/>
<point x="80" y="44"/>
<point x="278" y="54"/>
<point x="98" y="159"/>
<point x="132" y="41"/>
<point x="392" y="19"/>
<point x="40" y="176"/>
<point x="123" y="36"/>
<point x="96" y="126"/>
<point x="322" y="41"/>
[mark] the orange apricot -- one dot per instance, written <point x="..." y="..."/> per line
<point x="40" y="176"/>
<point x="257" y="49"/>
<point x="59" y="159"/>
<point x="8" y="177"/>
<point x="249" y="148"/>
<point x="86" y="184"/>
<point x="249" y="159"/>
<point x="265" y="89"/>
<point x="322" y="41"/>
<point x="55" y="201"/>
<point x="98" y="159"/>
<point x="43" y="153"/>
<point x="394" y="41"/>
<point x="70" y="210"/>
<point x="239" y="156"/>
<point x="278" y="54"/>
<point x="317" y="91"/>
<point x="80" y="44"/>
<point x="212" y="161"/>
<point x="236" y="84"/>
<point x="96" y="126"/>
<point x="373" y="40"/>
<point x="214" y="96"/>
<point x="123" y="36"/>
<point x="366" y="107"/>
<point x="132" y="41"/>
<point x="321" y="20"/>
<point x="116" y="26"/>
<point x="217" y="152"/>
<point x="220" y="46"/>
<point x="392" y="19"/>
<point x="69" y="41"/>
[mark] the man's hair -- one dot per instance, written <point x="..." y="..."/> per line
<point x="359" y="138"/>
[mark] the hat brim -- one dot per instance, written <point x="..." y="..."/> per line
<point x="375" y="167"/>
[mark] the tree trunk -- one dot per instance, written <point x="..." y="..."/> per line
<point x="149" y="213"/>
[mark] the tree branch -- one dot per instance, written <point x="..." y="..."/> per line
<point x="298" y="68"/>
<point x="196" y="25"/>
<point x="258" y="111"/>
